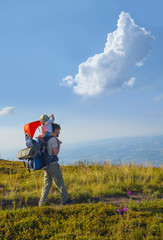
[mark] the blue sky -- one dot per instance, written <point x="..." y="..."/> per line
<point x="95" y="64"/>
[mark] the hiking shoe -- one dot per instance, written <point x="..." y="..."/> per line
<point x="68" y="202"/>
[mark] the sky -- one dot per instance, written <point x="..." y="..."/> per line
<point x="95" y="64"/>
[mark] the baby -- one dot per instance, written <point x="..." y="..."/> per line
<point x="46" y="126"/>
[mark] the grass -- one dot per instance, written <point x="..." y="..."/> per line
<point x="92" y="187"/>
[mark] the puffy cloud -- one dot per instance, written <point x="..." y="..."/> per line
<point x="8" y="111"/>
<point x="128" y="46"/>
<point x="68" y="81"/>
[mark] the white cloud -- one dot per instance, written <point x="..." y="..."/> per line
<point x="68" y="81"/>
<point x="128" y="46"/>
<point x="8" y="111"/>
<point x="130" y="83"/>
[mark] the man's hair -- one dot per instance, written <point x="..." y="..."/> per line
<point x="55" y="126"/>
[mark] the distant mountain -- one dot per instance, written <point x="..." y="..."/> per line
<point x="138" y="150"/>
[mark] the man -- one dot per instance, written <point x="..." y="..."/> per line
<point x="53" y="171"/>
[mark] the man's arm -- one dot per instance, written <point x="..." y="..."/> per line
<point x="57" y="148"/>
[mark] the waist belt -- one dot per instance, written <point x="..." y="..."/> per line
<point x="53" y="158"/>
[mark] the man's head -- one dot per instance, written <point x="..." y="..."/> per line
<point x="56" y="128"/>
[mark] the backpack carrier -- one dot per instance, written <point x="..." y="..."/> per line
<point x="35" y="156"/>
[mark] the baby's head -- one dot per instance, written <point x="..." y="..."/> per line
<point x="44" y="119"/>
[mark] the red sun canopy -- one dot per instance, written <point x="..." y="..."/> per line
<point x="30" y="128"/>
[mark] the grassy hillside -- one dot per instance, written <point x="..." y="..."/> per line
<point x="110" y="202"/>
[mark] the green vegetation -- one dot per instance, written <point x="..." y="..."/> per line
<point x="107" y="203"/>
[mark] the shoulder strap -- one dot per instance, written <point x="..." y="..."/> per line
<point x="48" y="138"/>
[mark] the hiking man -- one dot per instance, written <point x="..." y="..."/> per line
<point x="53" y="171"/>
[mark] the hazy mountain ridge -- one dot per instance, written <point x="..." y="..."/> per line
<point x="138" y="150"/>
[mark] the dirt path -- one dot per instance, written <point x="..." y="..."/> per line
<point x="115" y="200"/>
